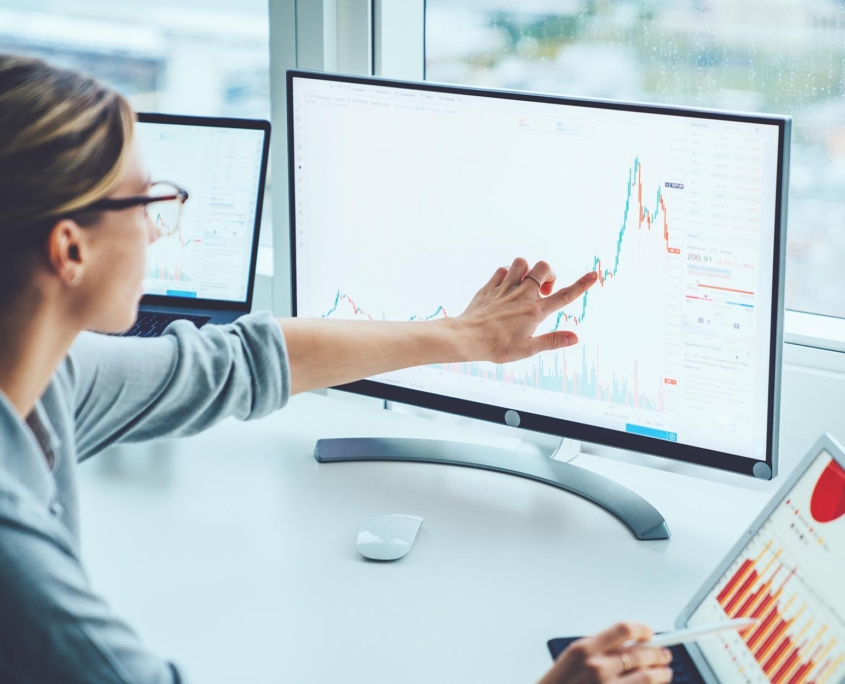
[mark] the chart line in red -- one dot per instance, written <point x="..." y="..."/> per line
<point x="725" y="289"/>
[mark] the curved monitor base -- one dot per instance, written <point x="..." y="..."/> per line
<point x="644" y="521"/>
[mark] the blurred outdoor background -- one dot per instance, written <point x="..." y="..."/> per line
<point x="201" y="57"/>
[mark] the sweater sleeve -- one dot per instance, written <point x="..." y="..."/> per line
<point x="134" y="389"/>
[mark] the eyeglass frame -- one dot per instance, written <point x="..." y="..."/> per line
<point x="39" y="229"/>
<point x="120" y="203"/>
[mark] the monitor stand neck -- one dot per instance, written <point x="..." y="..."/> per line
<point x="561" y="449"/>
<point x="543" y="458"/>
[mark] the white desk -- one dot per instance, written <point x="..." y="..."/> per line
<point x="238" y="561"/>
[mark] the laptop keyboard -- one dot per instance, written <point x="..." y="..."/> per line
<point x="153" y="323"/>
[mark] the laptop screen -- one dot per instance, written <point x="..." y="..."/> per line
<point x="791" y="577"/>
<point x="210" y="255"/>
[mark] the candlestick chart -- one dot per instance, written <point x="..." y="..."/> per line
<point x="633" y="262"/>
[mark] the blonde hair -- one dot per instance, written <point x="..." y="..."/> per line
<point x="64" y="138"/>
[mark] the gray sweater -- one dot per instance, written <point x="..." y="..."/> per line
<point x="53" y="626"/>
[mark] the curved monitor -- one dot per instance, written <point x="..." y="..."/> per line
<point x="405" y="197"/>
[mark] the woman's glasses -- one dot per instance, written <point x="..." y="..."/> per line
<point x="163" y="205"/>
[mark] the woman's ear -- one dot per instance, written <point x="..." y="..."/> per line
<point x="66" y="251"/>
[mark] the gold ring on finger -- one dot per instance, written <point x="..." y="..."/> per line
<point x="534" y="279"/>
<point x="627" y="662"/>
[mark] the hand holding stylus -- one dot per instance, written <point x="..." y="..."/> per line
<point x="606" y="658"/>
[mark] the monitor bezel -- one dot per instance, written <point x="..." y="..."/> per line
<point x="826" y="443"/>
<point x="556" y="426"/>
<point x="219" y="122"/>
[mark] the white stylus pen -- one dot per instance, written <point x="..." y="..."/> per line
<point x="683" y="636"/>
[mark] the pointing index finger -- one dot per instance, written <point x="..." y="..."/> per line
<point x="567" y="295"/>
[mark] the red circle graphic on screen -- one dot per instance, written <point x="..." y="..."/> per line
<point x="828" y="501"/>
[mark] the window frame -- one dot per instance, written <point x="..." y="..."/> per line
<point x="321" y="35"/>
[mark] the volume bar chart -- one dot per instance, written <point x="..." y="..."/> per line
<point x="553" y="374"/>
<point x="791" y="642"/>
<point x="173" y="272"/>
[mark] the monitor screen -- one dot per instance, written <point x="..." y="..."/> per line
<point x="407" y="197"/>
<point x="789" y="577"/>
<point x="211" y="255"/>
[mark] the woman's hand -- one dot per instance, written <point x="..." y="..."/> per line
<point x="602" y="658"/>
<point x="502" y="318"/>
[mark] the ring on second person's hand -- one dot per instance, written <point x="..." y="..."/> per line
<point x="627" y="665"/>
<point x="534" y="279"/>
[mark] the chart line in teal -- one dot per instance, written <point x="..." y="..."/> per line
<point x="340" y="297"/>
<point x="645" y="217"/>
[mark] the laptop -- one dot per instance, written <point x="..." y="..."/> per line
<point x="788" y="572"/>
<point x="205" y="272"/>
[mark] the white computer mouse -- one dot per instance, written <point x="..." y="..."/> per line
<point x="388" y="537"/>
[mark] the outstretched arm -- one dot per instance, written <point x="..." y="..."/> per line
<point x="498" y="325"/>
<point x="132" y="389"/>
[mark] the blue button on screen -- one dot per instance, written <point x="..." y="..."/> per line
<point x="651" y="432"/>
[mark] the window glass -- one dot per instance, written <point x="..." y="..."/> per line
<point x="200" y="57"/>
<point x="779" y="56"/>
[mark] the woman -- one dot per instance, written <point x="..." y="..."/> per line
<point x="74" y="225"/>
